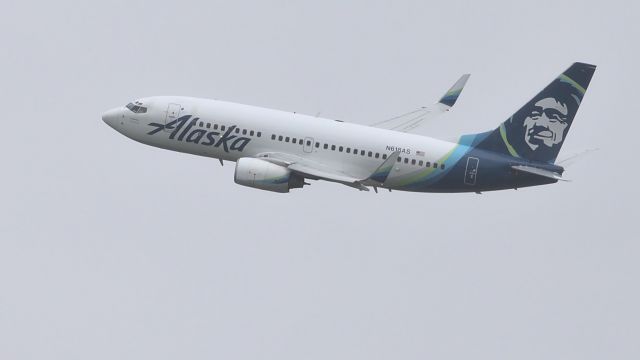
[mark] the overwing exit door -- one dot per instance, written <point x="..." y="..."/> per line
<point x="308" y="145"/>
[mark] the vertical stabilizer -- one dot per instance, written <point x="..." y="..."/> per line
<point x="538" y="130"/>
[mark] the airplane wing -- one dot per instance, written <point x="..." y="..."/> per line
<point x="317" y="171"/>
<point x="411" y="120"/>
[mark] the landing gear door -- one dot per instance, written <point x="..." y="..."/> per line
<point x="173" y="112"/>
<point x="471" y="173"/>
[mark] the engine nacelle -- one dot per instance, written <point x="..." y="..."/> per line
<point x="264" y="175"/>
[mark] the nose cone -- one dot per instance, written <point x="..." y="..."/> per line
<point x="111" y="117"/>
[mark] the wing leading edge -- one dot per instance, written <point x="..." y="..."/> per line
<point x="317" y="171"/>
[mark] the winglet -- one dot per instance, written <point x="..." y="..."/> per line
<point x="382" y="172"/>
<point x="451" y="96"/>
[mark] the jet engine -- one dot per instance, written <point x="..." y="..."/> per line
<point x="264" y="175"/>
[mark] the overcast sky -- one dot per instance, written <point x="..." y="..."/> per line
<point x="110" y="249"/>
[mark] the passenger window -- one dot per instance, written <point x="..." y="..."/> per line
<point x="259" y="133"/>
<point x="201" y="124"/>
<point x="355" y="151"/>
<point x="251" y="133"/>
<point x="273" y="136"/>
<point x="294" y="140"/>
<point x="317" y="144"/>
<point x="428" y="164"/>
<point x="222" y="127"/>
<point x="326" y="146"/>
<point x="377" y="155"/>
<point x="237" y="130"/>
<point x="384" y="156"/>
<point x="348" y="150"/>
<point x="333" y="147"/>
<point x="420" y="163"/>
<point x="399" y="159"/>
<point x="300" y="141"/>
<point x="435" y="165"/>
<point x="208" y="125"/>
<point x="280" y="138"/>
<point x="308" y="143"/>
<point x="413" y="161"/>
<point x="340" y="148"/>
<point x="406" y="160"/>
<point x="362" y="152"/>
<point x="370" y="153"/>
<point x="441" y="166"/>
<point x="215" y="126"/>
<point x="244" y="132"/>
<point x="287" y="139"/>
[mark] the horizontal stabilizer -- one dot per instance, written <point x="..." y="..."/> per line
<point x="539" y="172"/>
<point x="570" y="160"/>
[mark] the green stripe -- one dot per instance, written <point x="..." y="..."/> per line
<point x="503" y="134"/>
<point x="410" y="179"/>
<point x="569" y="80"/>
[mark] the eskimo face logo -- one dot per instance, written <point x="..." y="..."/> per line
<point x="187" y="133"/>
<point x="546" y="123"/>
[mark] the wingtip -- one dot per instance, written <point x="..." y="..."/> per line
<point x="584" y="64"/>
<point x="451" y="96"/>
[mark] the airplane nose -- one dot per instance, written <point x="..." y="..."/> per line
<point x="111" y="116"/>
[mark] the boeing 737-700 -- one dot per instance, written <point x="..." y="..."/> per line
<point x="278" y="151"/>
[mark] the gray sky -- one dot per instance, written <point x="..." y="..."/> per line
<point x="110" y="249"/>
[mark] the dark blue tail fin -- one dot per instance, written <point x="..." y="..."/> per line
<point x="536" y="131"/>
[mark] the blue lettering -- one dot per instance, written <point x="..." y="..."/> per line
<point x="226" y="137"/>
<point x="211" y="138"/>
<point x="196" y="136"/>
<point x="186" y="130"/>
<point x="228" y="141"/>
<point x="181" y="121"/>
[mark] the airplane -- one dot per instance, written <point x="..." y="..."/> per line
<point x="278" y="151"/>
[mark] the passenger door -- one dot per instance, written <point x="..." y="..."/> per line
<point x="173" y="112"/>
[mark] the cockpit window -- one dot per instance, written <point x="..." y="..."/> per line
<point x="137" y="107"/>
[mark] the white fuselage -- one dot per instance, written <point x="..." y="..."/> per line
<point x="323" y="141"/>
